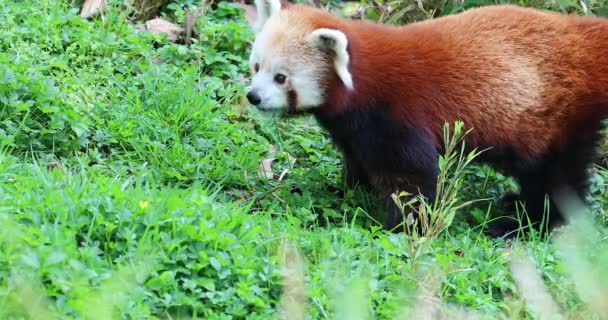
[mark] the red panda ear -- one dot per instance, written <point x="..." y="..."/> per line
<point x="335" y="42"/>
<point x="265" y="10"/>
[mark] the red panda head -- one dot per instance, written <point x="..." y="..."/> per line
<point x="292" y="56"/>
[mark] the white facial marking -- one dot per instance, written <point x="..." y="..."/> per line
<point x="286" y="44"/>
<point x="303" y="76"/>
<point x="336" y="41"/>
<point x="273" y="95"/>
<point x="307" y="84"/>
<point x="282" y="47"/>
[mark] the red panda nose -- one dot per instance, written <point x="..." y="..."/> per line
<point x="253" y="98"/>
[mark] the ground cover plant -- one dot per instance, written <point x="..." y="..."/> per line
<point x="136" y="184"/>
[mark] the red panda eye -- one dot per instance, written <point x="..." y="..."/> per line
<point x="280" y="78"/>
<point x="256" y="67"/>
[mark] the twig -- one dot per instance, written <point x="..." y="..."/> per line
<point x="191" y="21"/>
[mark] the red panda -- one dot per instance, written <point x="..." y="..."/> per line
<point x="532" y="85"/>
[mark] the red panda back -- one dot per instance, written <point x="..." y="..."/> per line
<point x="513" y="74"/>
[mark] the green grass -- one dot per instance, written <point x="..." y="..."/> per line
<point x="158" y="210"/>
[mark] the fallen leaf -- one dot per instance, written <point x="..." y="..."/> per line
<point x="266" y="168"/>
<point x="266" y="164"/>
<point x="159" y="25"/>
<point x="92" y="7"/>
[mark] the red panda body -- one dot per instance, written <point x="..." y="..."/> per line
<point x="513" y="74"/>
<point x="533" y="86"/>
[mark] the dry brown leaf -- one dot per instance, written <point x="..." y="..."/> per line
<point x="266" y="164"/>
<point x="266" y="168"/>
<point x="92" y="7"/>
<point x="159" y="25"/>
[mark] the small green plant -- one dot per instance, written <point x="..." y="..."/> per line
<point x="426" y="220"/>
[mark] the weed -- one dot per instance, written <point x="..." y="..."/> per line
<point x="424" y="220"/>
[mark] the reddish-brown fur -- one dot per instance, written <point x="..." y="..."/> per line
<point x="534" y="83"/>
<point x="444" y="73"/>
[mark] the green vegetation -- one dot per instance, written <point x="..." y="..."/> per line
<point x="130" y="188"/>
